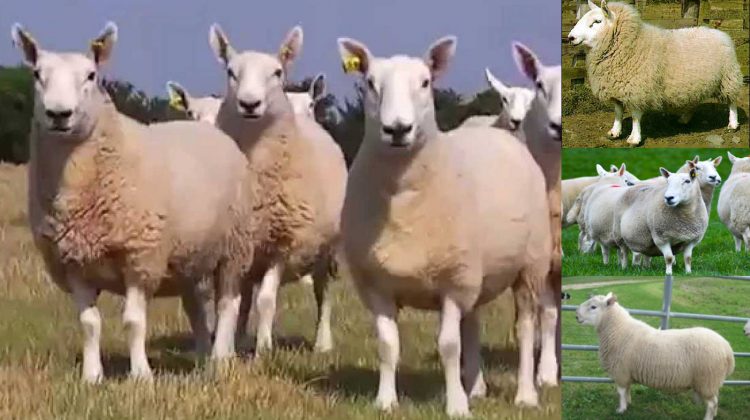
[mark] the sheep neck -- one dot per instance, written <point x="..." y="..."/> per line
<point x="615" y="329"/>
<point x="546" y="151"/>
<point x="625" y="30"/>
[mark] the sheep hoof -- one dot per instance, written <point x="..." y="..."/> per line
<point x="621" y="410"/>
<point x="733" y="127"/>
<point x="142" y="375"/>
<point x="92" y="378"/>
<point x="460" y="410"/>
<point x="542" y="380"/>
<point x="634" y="141"/>
<point x="528" y="399"/>
<point x="323" y="346"/>
<point x="386" y="403"/>
<point x="479" y="390"/>
<point x="612" y="134"/>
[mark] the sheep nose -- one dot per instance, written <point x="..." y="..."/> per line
<point x="250" y="106"/>
<point x="571" y="38"/>
<point x="669" y="199"/>
<point x="59" y="114"/>
<point x="397" y="130"/>
<point x="556" y="129"/>
<point x="515" y="123"/>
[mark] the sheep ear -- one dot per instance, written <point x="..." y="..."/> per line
<point x="526" y="61"/>
<point x="291" y="47"/>
<point x="355" y="57"/>
<point x="665" y="173"/>
<point x="592" y="5"/>
<point x="717" y="161"/>
<point x="101" y="46"/>
<point x="26" y="43"/>
<point x="622" y="170"/>
<point x="613" y="168"/>
<point x="611" y="299"/>
<point x="318" y="87"/>
<point x="439" y="55"/>
<point x="600" y="170"/>
<point x="696" y="159"/>
<point x="691" y="164"/>
<point x="220" y="44"/>
<point x="178" y="96"/>
<point x="732" y="158"/>
<point x="605" y="9"/>
<point x="494" y="83"/>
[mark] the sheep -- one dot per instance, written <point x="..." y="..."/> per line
<point x="642" y="67"/>
<point x="112" y="201"/>
<point x="747" y="328"/>
<point x="426" y="225"/>
<point x="662" y="218"/>
<point x="197" y="108"/>
<point x="632" y="351"/>
<point x="708" y="178"/>
<point x="733" y="207"/>
<point x="572" y="188"/>
<point x="303" y="103"/>
<point x="576" y="214"/>
<point x="599" y="218"/>
<point x="515" y="103"/>
<point x="300" y="178"/>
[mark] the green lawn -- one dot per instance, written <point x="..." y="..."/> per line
<point x="695" y="295"/>
<point x="714" y="255"/>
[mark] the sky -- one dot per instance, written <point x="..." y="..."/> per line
<point x="162" y="40"/>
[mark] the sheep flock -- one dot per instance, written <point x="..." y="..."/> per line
<point x="112" y="205"/>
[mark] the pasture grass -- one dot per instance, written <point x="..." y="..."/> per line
<point x="40" y="354"/>
<point x="714" y="255"/>
<point x="695" y="295"/>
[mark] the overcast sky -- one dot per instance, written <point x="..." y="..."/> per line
<point x="168" y="39"/>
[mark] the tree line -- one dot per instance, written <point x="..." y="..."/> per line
<point x="344" y="118"/>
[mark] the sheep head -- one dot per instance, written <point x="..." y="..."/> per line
<point x="591" y="311"/>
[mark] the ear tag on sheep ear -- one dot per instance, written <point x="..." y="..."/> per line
<point x="351" y="64"/>
<point x="176" y="102"/>
<point x="285" y="53"/>
<point x="692" y="174"/>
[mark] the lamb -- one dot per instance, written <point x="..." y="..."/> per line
<point x="300" y="179"/>
<point x="632" y="351"/>
<point x="303" y="103"/>
<point x="572" y="188"/>
<point x="197" y="108"/>
<point x="426" y="225"/>
<point x="111" y="201"/>
<point x="671" y="69"/>
<point x="663" y="219"/>
<point x="576" y="215"/>
<point x="733" y="207"/>
<point x="515" y="103"/>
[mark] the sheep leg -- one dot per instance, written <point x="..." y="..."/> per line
<point x="547" y="374"/>
<point x="249" y="292"/>
<point x="688" y="257"/>
<point x="746" y="238"/>
<point x="194" y="308"/>
<point x="526" y="394"/>
<point x="622" y="254"/>
<point x="624" y="393"/>
<point x="323" y="338"/>
<point x="733" y="124"/>
<point x="266" y="304"/>
<point x="617" y="125"/>
<point x="388" y="349"/>
<point x="449" y="346"/>
<point x="712" y="408"/>
<point x="473" y="379"/>
<point x="85" y="297"/>
<point x="738" y="244"/>
<point x="666" y="250"/>
<point x="228" y="308"/>
<point x="647" y="261"/>
<point x="635" y="135"/>
<point x="134" y="318"/>
<point x="637" y="258"/>
<point x="605" y="254"/>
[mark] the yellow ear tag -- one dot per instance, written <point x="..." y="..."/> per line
<point x="286" y="52"/>
<point x="176" y="102"/>
<point x="351" y="64"/>
<point x="692" y="174"/>
<point x="97" y="43"/>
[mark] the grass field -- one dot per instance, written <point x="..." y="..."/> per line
<point x="40" y="354"/>
<point x="714" y="255"/>
<point x="696" y="295"/>
<point x="587" y="121"/>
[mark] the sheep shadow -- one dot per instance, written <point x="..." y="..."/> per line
<point x="706" y="118"/>
<point x="246" y="349"/>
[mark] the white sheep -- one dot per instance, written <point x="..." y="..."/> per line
<point x="641" y="67"/>
<point x="515" y="102"/>
<point x="747" y="328"/>
<point x="303" y="103"/>
<point x="734" y="202"/>
<point x="300" y="179"/>
<point x="572" y="188"/>
<point x="112" y="201"/>
<point x="426" y="225"/>
<point x="633" y="352"/>
<point x="599" y="213"/>
<point x="196" y="108"/>
<point x="662" y="219"/>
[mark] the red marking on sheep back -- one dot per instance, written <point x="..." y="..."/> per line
<point x="615" y="186"/>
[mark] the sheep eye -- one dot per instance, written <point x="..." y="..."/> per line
<point x="37" y="75"/>
<point x="91" y="76"/>
<point x="540" y="86"/>
<point x="277" y="73"/>
<point x="425" y="83"/>
<point x="231" y="74"/>
<point x="593" y="307"/>
<point x="371" y="84"/>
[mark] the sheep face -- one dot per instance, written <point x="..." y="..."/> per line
<point x="706" y="172"/>
<point x="592" y="311"/>
<point x="681" y="187"/>
<point x="66" y="84"/>
<point x="398" y="97"/>
<point x="303" y="103"/>
<point x="546" y="108"/>
<point x="197" y="109"/>
<point x="591" y="26"/>
<point x="254" y="79"/>
<point x="515" y="101"/>
<point x="629" y="178"/>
